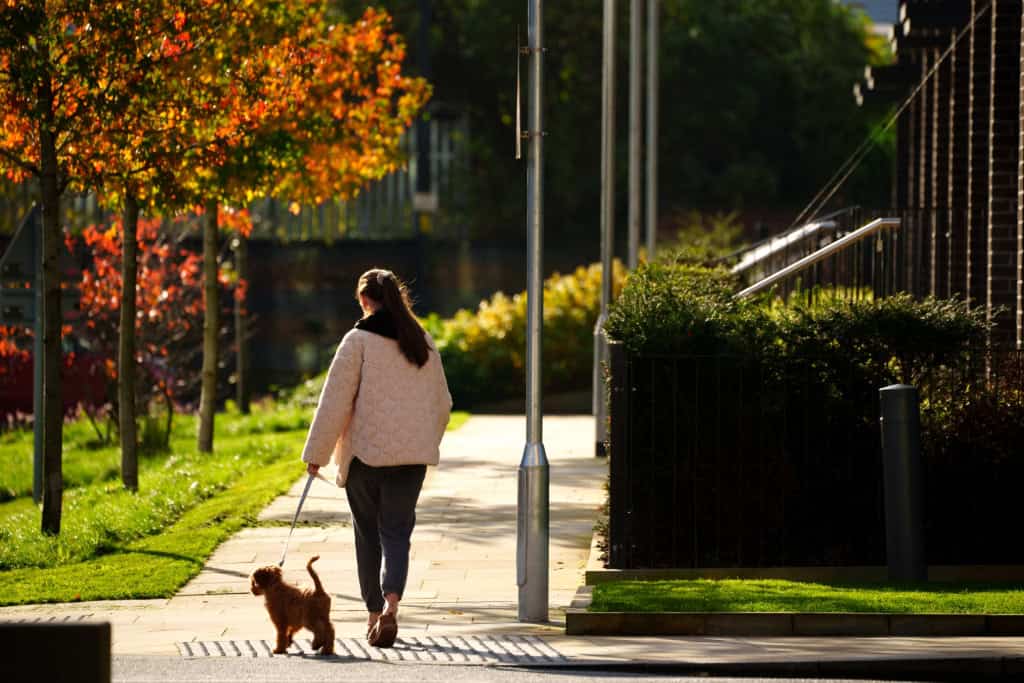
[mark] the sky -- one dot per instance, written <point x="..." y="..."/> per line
<point x="881" y="11"/>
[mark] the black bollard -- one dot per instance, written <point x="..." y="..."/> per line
<point x="901" y="460"/>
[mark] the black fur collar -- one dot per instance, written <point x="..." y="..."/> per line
<point x="380" y="323"/>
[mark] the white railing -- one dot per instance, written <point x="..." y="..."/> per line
<point x="830" y="249"/>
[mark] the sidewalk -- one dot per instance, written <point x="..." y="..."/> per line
<point x="462" y="569"/>
<point x="462" y="575"/>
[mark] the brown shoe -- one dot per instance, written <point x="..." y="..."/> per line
<point x="384" y="632"/>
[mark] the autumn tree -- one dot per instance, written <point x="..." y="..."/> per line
<point x="59" y="64"/>
<point x="168" y="297"/>
<point x="182" y="99"/>
<point x="341" y="104"/>
<point x="97" y="91"/>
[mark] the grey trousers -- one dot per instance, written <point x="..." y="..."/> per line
<point x="383" y="503"/>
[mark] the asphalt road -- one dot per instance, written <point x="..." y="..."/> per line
<point x="294" y="670"/>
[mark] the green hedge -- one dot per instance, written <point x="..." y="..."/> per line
<point x="484" y="351"/>
<point x="685" y="309"/>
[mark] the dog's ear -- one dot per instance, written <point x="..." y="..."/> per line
<point x="268" y="576"/>
<point x="264" y="577"/>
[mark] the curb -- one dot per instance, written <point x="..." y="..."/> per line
<point x="922" y="669"/>
<point x="580" y="622"/>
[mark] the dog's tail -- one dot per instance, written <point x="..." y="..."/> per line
<point x="316" y="579"/>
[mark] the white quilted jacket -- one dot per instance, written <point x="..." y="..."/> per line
<point x="379" y="406"/>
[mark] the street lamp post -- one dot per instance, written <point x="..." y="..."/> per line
<point x="652" y="127"/>
<point x="532" y="520"/>
<point x="635" y="129"/>
<point x="600" y="405"/>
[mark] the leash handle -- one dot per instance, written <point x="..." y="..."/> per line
<point x="302" y="499"/>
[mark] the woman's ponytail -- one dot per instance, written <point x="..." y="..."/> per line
<point x="384" y="287"/>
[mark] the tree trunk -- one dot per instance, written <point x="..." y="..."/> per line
<point x="53" y="408"/>
<point x="211" y="326"/>
<point x="241" y="339"/>
<point x="126" y="347"/>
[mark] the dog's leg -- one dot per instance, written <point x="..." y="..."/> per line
<point x="325" y="636"/>
<point x="283" y="641"/>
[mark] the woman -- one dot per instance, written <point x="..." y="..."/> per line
<point x="382" y="413"/>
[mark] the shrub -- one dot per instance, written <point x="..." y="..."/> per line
<point x="681" y="308"/>
<point x="484" y="352"/>
<point x="688" y="309"/>
<point x="704" y="238"/>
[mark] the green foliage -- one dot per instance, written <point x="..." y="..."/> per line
<point x="971" y="424"/>
<point x="681" y="308"/>
<point x="757" y="93"/>
<point x="484" y="351"/>
<point x="763" y="595"/>
<point x="898" y="337"/>
<point x="703" y="238"/>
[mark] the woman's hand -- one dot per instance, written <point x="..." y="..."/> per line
<point x="312" y="469"/>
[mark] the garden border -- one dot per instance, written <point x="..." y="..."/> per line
<point x="579" y="621"/>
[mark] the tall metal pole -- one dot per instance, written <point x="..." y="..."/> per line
<point x="532" y="520"/>
<point x="600" y="405"/>
<point x="635" y="132"/>
<point x="652" y="127"/>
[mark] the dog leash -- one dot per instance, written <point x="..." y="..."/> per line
<point x="309" y="482"/>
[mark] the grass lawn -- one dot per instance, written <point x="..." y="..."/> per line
<point x="117" y="545"/>
<point x="742" y="595"/>
<point x="87" y="461"/>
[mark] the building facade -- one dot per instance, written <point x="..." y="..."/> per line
<point x="957" y="85"/>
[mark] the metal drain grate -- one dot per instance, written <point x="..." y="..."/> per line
<point x="512" y="649"/>
<point x="54" y="619"/>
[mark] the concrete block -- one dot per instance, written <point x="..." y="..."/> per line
<point x="749" y="624"/>
<point x="845" y="624"/>
<point x="57" y="652"/>
<point x="580" y="622"/>
<point x="937" y="625"/>
<point x="1005" y="624"/>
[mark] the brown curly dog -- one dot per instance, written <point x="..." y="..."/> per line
<point x="292" y="608"/>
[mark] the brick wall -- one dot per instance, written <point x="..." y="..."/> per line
<point x="1004" y="142"/>
<point x="977" y="187"/>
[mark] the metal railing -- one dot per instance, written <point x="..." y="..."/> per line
<point x="842" y="244"/>
<point x="934" y="251"/>
<point x="734" y="461"/>
<point x="770" y="251"/>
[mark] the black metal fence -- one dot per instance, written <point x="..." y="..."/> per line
<point x="727" y="462"/>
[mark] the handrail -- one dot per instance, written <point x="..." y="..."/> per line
<point x="823" y="253"/>
<point x="774" y="245"/>
<point x="746" y="249"/>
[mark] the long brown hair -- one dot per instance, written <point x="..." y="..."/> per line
<point x="384" y="287"/>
